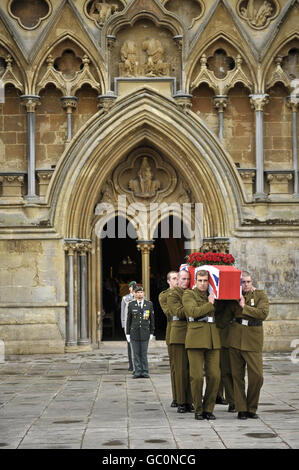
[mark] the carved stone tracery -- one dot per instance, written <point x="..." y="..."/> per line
<point x="67" y="79"/>
<point x="258" y="13"/>
<point x="30" y="13"/>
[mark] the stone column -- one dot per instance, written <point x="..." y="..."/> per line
<point x="70" y="248"/>
<point x="179" y="41"/>
<point x="220" y="103"/>
<point x="145" y="246"/>
<point x="258" y="102"/>
<point x="69" y="103"/>
<point x="31" y="101"/>
<point x="293" y="103"/>
<point x="83" y="248"/>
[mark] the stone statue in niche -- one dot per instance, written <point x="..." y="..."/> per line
<point x="128" y="54"/>
<point x="155" y="52"/>
<point x="257" y="13"/>
<point x="101" y="11"/>
<point x="144" y="185"/>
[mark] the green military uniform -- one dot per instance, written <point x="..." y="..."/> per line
<point x="140" y="325"/>
<point x="163" y="302"/>
<point x="203" y="347"/>
<point x="246" y="345"/>
<point x="224" y="316"/>
<point x="177" y="342"/>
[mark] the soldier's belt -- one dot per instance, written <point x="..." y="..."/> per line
<point x="244" y="322"/>
<point x="204" y="319"/>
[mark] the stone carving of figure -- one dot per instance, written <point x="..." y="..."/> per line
<point x="155" y="51"/>
<point x="257" y="16"/>
<point x="101" y="11"/>
<point x="144" y="185"/>
<point x="128" y="55"/>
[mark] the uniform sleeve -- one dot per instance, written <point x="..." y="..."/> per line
<point x="175" y="306"/>
<point x="261" y="310"/>
<point x="163" y="302"/>
<point x="194" y="309"/>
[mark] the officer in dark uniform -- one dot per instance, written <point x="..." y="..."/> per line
<point x="172" y="279"/>
<point x="139" y="330"/>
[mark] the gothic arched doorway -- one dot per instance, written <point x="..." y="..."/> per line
<point x="169" y="253"/>
<point x="120" y="264"/>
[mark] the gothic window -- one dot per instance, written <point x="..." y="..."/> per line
<point x="29" y="13"/>
<point x="220" y="63"/>
<point x="68" y="64"/>
<point x="290" y="64"/>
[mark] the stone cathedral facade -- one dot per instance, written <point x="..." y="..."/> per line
<point x="121" y="102"/>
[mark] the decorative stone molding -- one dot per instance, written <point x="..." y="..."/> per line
<point x="12" y="184"/>
<point x="30" y="102"/>
<point x="220" y="103"/>
<point x="279" y="182"/>
<point x="221" y="86"/>
<point x="194" y="9"/>
<point x="258" y="101"/>
<point x="258" y="13"/>
<point x="248" y="178"/>
<point x="44" y="178"/>
<point x="40" y="11"/>
<point x="293" y="103"/>
<point x="68" y="86"/>
<point x="106" y="101"/>
<point x="183" y="101"/>
<point x="9" y="75"/>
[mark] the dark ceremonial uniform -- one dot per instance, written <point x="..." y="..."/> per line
<point x="140" y="325"/>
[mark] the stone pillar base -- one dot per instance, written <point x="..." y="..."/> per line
<point x="78" y="348"/>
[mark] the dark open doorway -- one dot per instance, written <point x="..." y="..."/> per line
<point x="121" y="263"/>
<point x="168" y="255"/>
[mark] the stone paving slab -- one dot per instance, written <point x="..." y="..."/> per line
<point x="90" y="401"/>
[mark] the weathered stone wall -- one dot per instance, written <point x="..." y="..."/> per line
<point x="32" y="293"/>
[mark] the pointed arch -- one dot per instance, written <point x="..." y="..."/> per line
<point x="46" y="51"/>
<point x="107" y="138"/>
<point x="200" y="49"/>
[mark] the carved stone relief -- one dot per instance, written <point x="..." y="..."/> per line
<point x="29" y="13"/>
<point x="258" y="13"/>
<point x="154" y="64"/>
<point x="144" y="50"/>
<point x="145" y="177"/>
<point x="101" y="11"/>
